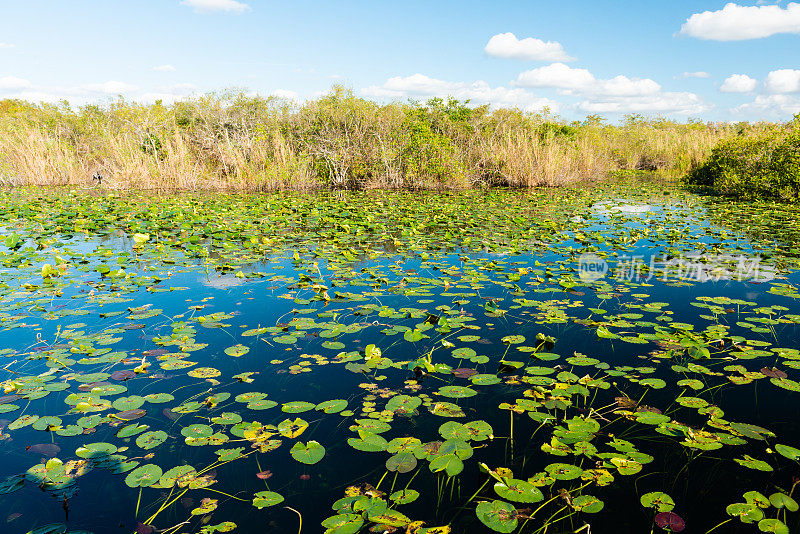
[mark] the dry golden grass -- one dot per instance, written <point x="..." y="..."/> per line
<point x="234" y="142"/>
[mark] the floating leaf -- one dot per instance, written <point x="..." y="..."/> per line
<point x="588" y="504"/>
<point x="308" y="453"/>
<point x="404" y="496"/>
<point x="264" y="499"/>
<point x="498" y="515"/>
<point x="402" y="462"/>
<point x="298" y="407"/>
<point x="658" y="500"/>
<point x="343" y="524"/>
<point x="456" y="392"/>
<point x="752" y="463"/>
<point x="670" y="522"/>
<point x="237" y="350"/>
<point x="518" y="491"/>
<point x="143" y="476"/>
<point x="332" y="406"/>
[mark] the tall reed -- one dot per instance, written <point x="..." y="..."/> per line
<point x="233" y="141"/>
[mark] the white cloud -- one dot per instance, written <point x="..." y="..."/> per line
<point x="779" y="106"/>
<point x="783" y="81"/>
<point x="738" y="83"/>
<point x="13" y="87"/>
<point x="421" y="86"/>
<point x="12" y="83"/>
<point x="734" y="22"/>
<point x="698" y="74"/>
<point x="614" y="95"/>
<point x="507" y="46"/>
<point x="581" y="81"/>
<point x="110" y="88"/>
<point x="211" y="6"/>
<point x="624" y="86"/>
<point x="668" y="103"/>
<point x="285" y="93"/>
<point x="164" y="68"/>
<point x="6" y="45"/>
<point x="556" y="75"/>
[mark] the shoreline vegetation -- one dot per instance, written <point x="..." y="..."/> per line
<point x="235" y="142"/>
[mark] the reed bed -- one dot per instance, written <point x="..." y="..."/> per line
<point x="233" y="141"/>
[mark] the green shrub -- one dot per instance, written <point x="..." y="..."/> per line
<point x="549" y="131"/>
<point x="426" y="153"/>
<point x="765" y="164"/>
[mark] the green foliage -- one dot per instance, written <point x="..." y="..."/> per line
<point x="757" y="165"/>
<point x="426" y="152"/>
<point x="152" y="146"/>
<point x="548" y="131"/>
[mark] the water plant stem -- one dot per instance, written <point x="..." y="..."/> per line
<point x="300" y="517"/>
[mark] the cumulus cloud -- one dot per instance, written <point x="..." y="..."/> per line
<point x="421" y="86"/>
<point x="619" y="94"/>
<point x="507" y="46"/>
<point x="698" y="74"/>
<point x="738" y="83"/>
<point x="212" y="6"/>
<point x="6" y="45"/>
<point x="779" y="106"/>
<point x="783" y="81"/>
<point x="735" y="23"/>
<point x="164" y="68"/>
<point x="12" y="83"/>
<point x="557" y="75"/>
<point x="580" y="81"/>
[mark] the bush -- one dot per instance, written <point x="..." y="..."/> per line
<point x="764" y="164"/>
<point x="426" y="153"/>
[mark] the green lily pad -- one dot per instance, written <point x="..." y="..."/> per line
<point x="518" y="491"/>
<point x="308" y="453"/>
<point x="499" y="516"/>
<point x="658" y="500"/>
<point x="143" y="476"/>
<point x="561" y="471"/>
<point x="237" y="350"/>
<point x="456" y="392"/>
<point x="298" y="407"/>
<point x="588" y="504"/>
<point x="264" y="499"/>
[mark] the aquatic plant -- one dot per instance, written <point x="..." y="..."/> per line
<point x="255" y="356"/>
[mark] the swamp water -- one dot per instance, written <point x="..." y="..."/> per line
<point x="624" y="357"/>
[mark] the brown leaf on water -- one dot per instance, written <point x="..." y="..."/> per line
<point x="130" y="415"/>
<point x="153" y="352"/>
<point x="626" y="403"/>
<point x="464" y="372"/>
<point x="122" y="375"/>
<point x="48" y="449"/>
<point x="773" y="372"/>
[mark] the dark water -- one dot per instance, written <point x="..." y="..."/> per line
<point x="529" y="287"/>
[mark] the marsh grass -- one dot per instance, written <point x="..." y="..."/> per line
<point x="232" y="141"/>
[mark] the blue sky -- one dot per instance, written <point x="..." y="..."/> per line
<point x="679" y="59"/>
